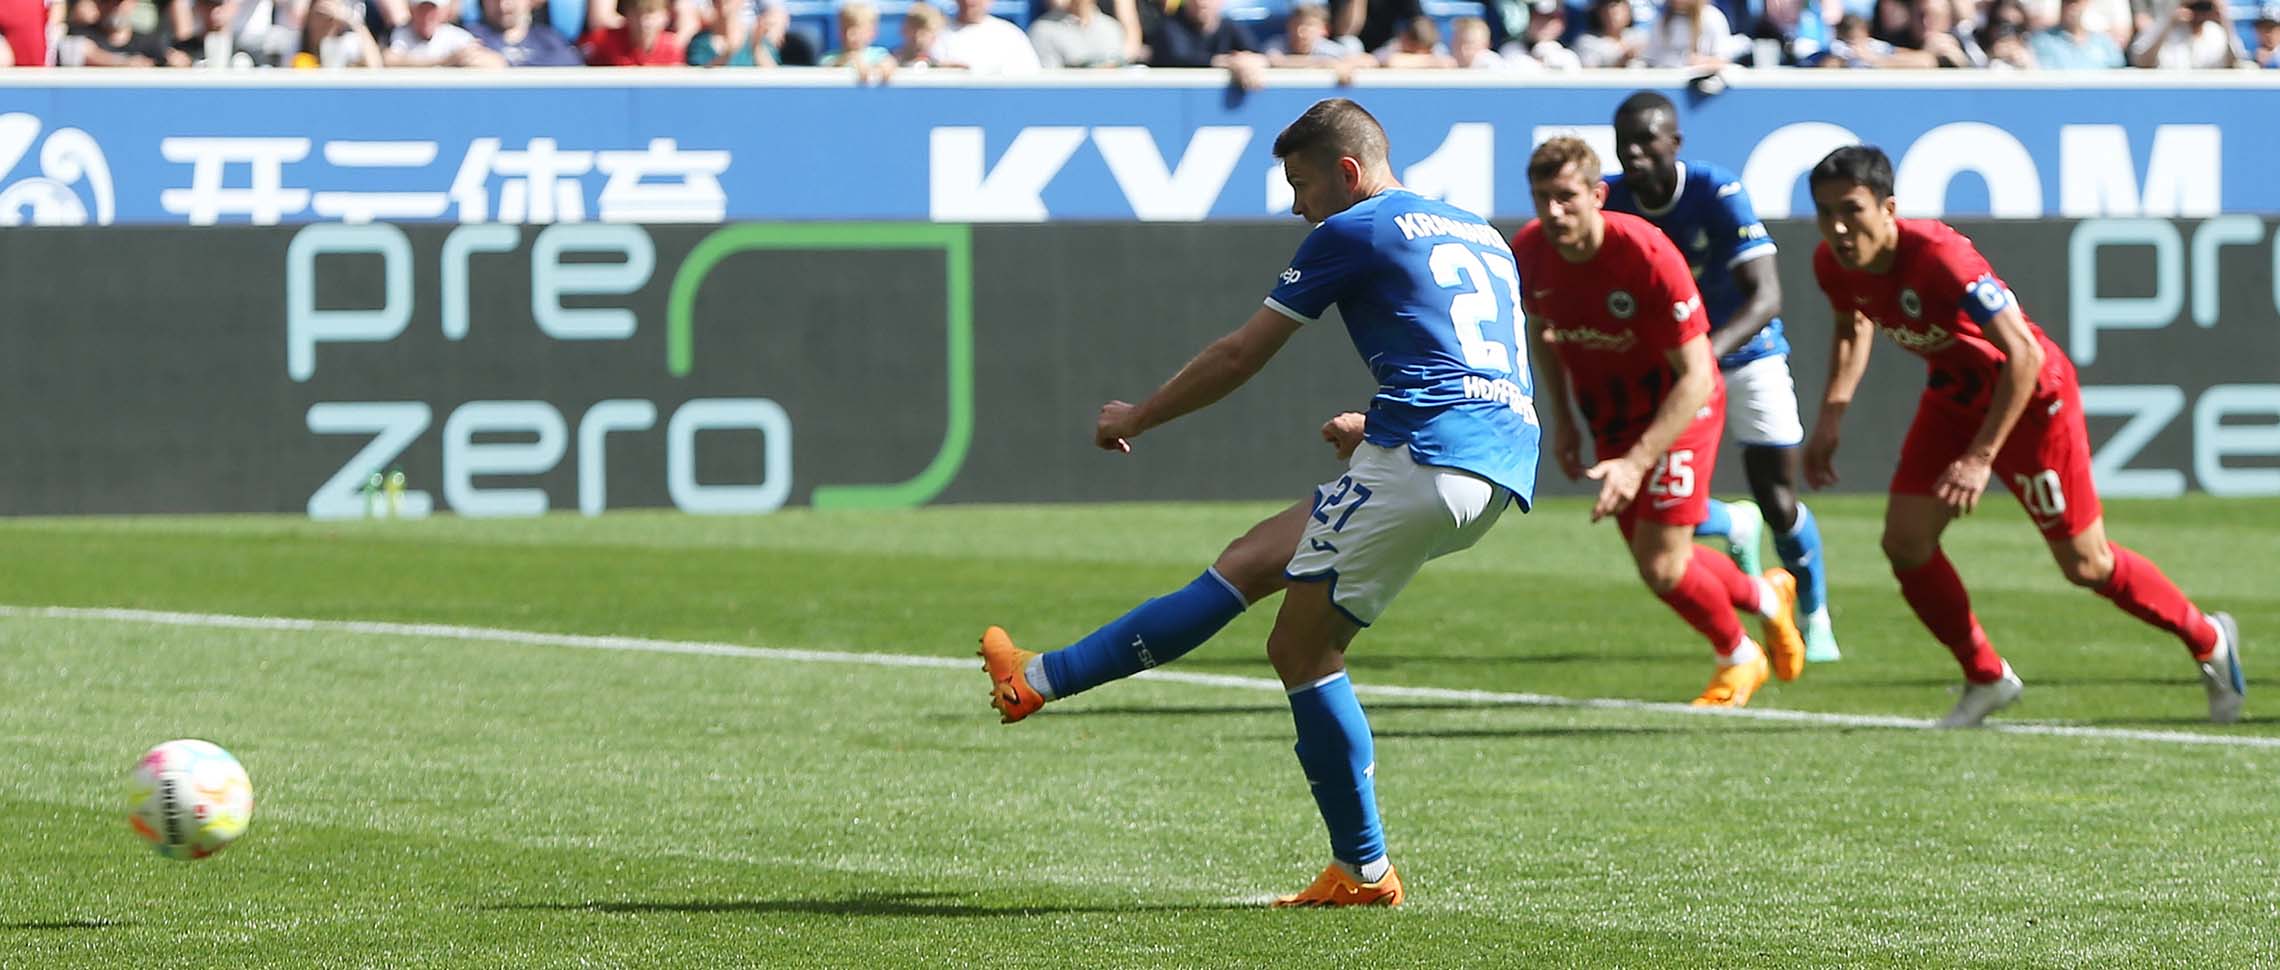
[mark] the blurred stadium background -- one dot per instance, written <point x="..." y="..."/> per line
<point x="472" y="357"/>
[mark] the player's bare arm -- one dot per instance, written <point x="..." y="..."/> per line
<point x="1848" y="360"/>
<point x="1619" y="477"/>
<point x="1760" y="282"/>
<point x="1964" y="481"/>
<point x="1222" y="366"/>
<point x="1554" y="401"/>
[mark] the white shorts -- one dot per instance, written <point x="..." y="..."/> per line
<point x="1761" y="404"/>
<point x="1375" y="526"/>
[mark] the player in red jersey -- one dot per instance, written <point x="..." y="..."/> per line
<point x="1620" y="332"/>
<point x="2001" y="400"/>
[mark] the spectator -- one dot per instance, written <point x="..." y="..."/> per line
<point x="2073" y="45"/>
<point x="921" y="28"/>
<point x="1691" y="34"/>
<point x="1418" y="46"/>
<point x="1539" y="45"/>
<point x="689" y="17"/>
<point x="1197" y="36"/>
<point x="1470" y="47"/>
<point x="643" y="38"/>
<point x="985" y="44"/>
<point x="23" y="33"/>
<point x="1075" y="33"/>
<point x="2006" y="46"/>
<point x="770" y="42"/>
<point x="205" y="36"/>
<point x="1306" y="41"/>
<point x="2114" y="18"/>
<point x="858" y="28"/>
<point x="1613" y="40"/>
<point x="1370" y="25"/>
<point x="1923" y="34"/>
<point x="2190" y="34"/>
<point x="506" y="29"/>
<point x="1800" y="28"/>
<point x="113" y="41"/>
<point x="2003" y="13"/>
<point x="430" y="40"/>
<point x="708" y="28"/>
<point x="334" y="35"/>
<point x="1855" y="46"/>
<point x="2268" y="36"/>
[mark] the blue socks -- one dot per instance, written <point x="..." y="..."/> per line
<point x="1156" y="632"/>
<point x="1800" y="551"/>
<point x="1340" y="760"/>
<point x="1719" y="524"/>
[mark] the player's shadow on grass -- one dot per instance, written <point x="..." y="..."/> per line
<point x="909" y="904"/>
<point x="1593" y="731"/>
<point x="1902" y="683"/>
<point x="1395" y="660"/>
<point x="1211" y="710"/>
<point x="63" y="924"/>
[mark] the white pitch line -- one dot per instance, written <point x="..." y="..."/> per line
<point x="439" y="631"/>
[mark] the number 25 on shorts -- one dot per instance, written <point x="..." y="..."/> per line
<point x="1673" y="474"/>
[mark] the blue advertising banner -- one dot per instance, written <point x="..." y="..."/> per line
<point x="538" y="147"/>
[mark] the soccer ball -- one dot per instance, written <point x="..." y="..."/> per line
<point x="189" y="799"/>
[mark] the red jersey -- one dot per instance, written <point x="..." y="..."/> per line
<point x="614" y="48"/>
<point x="1614" y="319"/>
<point x="1934" y="302"/>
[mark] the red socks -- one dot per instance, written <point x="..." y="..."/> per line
<point x="1706" y="597"/>
<point x="2139" y="588"/>
<point x="1937" y="595"/>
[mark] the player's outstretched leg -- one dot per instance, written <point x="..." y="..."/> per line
<point x="2139" y="587"/>
<point x="1741" y="527"/>
<point x="1773" y="474"/>
<point x="1308" y="648"/>
<point x="1912" y="527"/>
<point x="1156" y="632"/>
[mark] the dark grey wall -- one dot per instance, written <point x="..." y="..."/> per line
<point x="147" y="370"/>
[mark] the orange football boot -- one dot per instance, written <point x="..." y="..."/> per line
<point x="1733" y="684"/>
<point x="1335" y="888"/>
<point x="1784" y="645"/>
<point x="1010" y="692"/>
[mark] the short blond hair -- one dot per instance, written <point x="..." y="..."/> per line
<point x="1556" y="154"/>
<point x="857" y="13"/>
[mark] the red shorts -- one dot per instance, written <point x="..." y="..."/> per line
<point x="2045" y="462"/>
<point x="1677" y="489"/>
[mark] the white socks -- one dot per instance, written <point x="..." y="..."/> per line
<point x="1746" y="652"/>
<point x="1769" y="604"/>
<point x="1368" y="872"/>
<point x="1035" y="674"/>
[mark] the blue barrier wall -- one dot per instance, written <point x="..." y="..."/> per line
<point x="711" y="146"/>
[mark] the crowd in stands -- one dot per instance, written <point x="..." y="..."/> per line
<point x="875" y="39"/>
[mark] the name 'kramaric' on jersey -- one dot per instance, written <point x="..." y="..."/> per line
<point x="1431" y="300"/>
<point x="1715" y="227"/>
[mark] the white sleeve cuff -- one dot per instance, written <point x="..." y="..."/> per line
<point x="1749" y="254"/>
<point x="1276" y="305"/>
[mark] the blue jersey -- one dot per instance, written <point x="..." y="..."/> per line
<point x="1431" y="299"/>
<point x="1713" y="223"/>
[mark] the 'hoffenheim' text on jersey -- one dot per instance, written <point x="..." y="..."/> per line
<point x="1714" y="224"/>
<point x="1431" y="299"/>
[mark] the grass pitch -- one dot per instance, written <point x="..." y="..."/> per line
<point x="426" y="799"/>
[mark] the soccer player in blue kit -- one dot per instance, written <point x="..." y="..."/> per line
<point x="1704" y="209"/>
<point x="1430" y="298"/>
